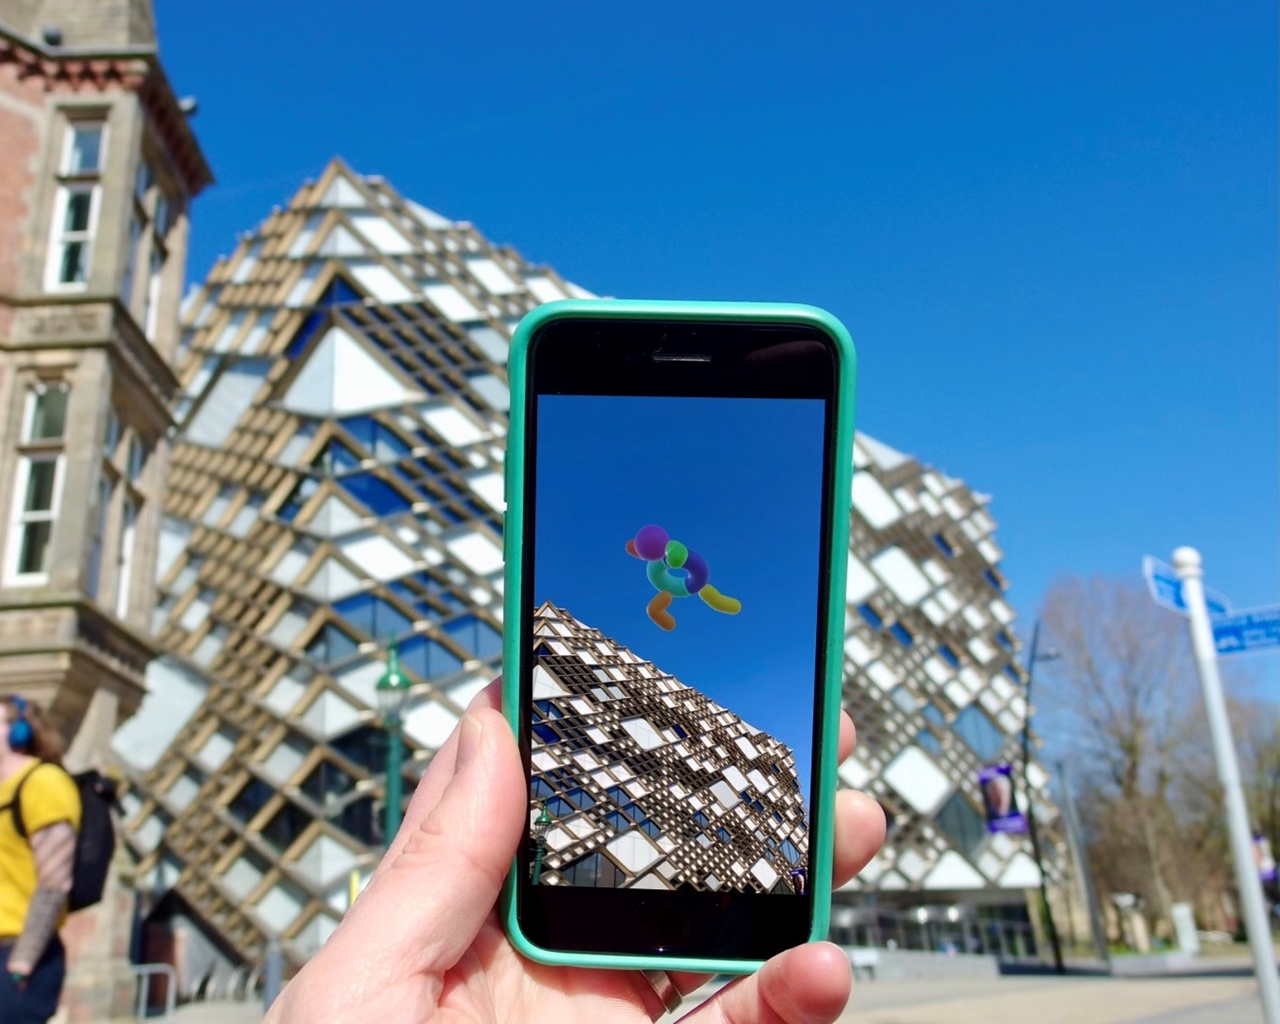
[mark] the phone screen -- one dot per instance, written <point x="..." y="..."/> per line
<point x="674" y="591"/>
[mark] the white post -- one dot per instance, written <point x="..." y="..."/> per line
<point x="1187" y="563"/>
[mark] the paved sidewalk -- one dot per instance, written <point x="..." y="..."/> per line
<point x="1041" y="999"/>
<point x="1047" y="999"/>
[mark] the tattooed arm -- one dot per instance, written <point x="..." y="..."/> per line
<point x="54" y="849"/>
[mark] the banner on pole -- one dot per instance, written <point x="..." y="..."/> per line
<point x="1263" y="859"/>
<point x="1000" y="800"/>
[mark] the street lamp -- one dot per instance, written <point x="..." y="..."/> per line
<point x="393" y="691"/>
<point x="540" y="825"/>
<point x="1034" y="656"/>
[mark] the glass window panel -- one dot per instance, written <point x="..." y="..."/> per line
<point x="375" y="494"/>
<point x="73" y="268"/>
<point x="373" y="616"/>
<point x="979" y="732"/>
<point x="328" y="783"/>
<point x="964" y="826"/>
<point x="331" y="644"/>
<point x="900" y="633"/>
<point x="427" y="658"/>
<point x="143" y="180"/>
<point x="285" y="826"/>
<point x="48" y="413"/>
<point x="365" y="746"/>
<point x="85" y="151"/>
<point x="928" y="741"/>
<point x="163" y="215"/>
<point x="335" y="458"/>
<point x="79" y="205"/>
<point x="34" y="547"/>
<point x="595" y="870"/>
<point x="250" y="800"/>
<point x="40" y="481"/>
<point x="360" y="820"/>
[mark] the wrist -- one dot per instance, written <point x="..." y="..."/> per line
<point x="18" y="976"/>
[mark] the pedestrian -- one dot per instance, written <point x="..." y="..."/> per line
<point x="39" y="816"/>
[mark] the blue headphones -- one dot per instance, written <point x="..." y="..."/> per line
<point x="19" y="728"/>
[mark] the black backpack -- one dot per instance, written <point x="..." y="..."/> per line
<point x="95" y="841"/>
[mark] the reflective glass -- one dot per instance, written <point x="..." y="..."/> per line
<point x="79" y="204"/>
<point x="85" y="154"/>
<point x="35" y="547"/>
<point x="375" y="494"/>
<point x="978" y="731"/>
<point x="48" y="413"/>
<point x="40" y="481"/>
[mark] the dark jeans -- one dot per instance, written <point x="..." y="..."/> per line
<point x="36" y="1001"/>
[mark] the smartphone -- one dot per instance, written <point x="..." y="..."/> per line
<point x="676" y="534"/>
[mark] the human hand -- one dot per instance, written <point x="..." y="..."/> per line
<point x="424" y="942"/>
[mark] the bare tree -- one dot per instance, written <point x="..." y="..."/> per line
<point x="1123" y="694"/>
<point x="1124" y="706"/>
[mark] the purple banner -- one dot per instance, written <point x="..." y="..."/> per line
<point x="1262" y="857"/>
<point x="1000" y="800"/>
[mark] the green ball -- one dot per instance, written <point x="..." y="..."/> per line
<point x="676" y="554"/>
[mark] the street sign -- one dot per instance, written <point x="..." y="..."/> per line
<point x="1166" y="589"/>
<point x="1252" y="629"/>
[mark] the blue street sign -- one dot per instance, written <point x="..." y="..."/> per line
<point x="1166" y="589"/>
<point x="1253" y="629"/>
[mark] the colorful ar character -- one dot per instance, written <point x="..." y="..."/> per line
<point x="651" y="544"/>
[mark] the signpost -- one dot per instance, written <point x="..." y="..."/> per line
<point x="1189" y="599"/>
<point x="1247" y="631"/>
<point x="1166" y="589"/>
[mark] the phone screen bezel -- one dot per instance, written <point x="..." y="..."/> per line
<point x="694" y="359"/>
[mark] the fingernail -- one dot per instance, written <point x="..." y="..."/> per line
<point x="469" y="731"/>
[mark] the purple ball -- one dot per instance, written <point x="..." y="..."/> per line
<point x="651" y="542"/>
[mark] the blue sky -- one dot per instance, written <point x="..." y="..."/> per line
<point x="1050" y="228"/>
<point x="737" y="480"/>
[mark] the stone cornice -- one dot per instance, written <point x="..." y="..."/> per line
<point x="86" y="628"/>
<point x="90" y="321"/>
<point x="131" y="68"/>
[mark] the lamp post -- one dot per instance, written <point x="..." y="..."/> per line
<point x="1036" y="655"/>
<point x="540" y="825"/>
<point x="393" y="691"/>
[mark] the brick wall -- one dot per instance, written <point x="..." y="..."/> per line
<point x="22" y="103"/>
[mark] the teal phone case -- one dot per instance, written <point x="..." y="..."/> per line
<point x="513" y="531"/>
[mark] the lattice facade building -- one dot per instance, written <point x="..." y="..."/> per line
<point x="336" y="484"/>
<point x="933" y="681"/>
<point x="652" y="784"/>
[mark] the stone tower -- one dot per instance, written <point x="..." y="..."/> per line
<point x="98" y="171"/>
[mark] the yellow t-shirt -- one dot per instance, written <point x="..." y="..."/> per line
<point x="48" y="797"/>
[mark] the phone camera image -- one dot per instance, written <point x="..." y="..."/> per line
<point x="672" y="642"/>
<point x="670" y="789"/>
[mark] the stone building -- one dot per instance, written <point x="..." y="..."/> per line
<point x="650" y="783"/>
<point x="336" y="484"/>
<point x="98" y="172"/>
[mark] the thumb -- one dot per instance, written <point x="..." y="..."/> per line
<point x="421" y="912"/>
